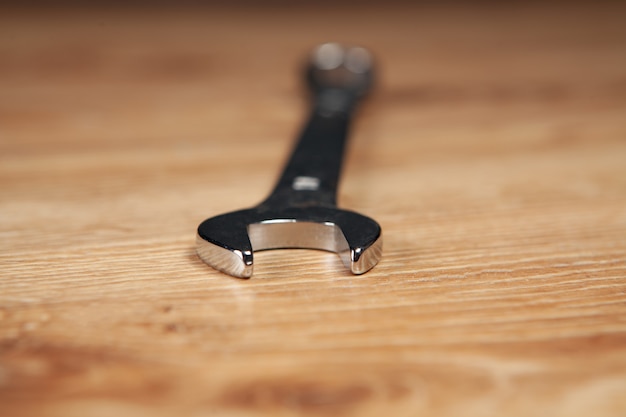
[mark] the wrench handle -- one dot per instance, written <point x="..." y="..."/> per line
<point x="312" y="173"/>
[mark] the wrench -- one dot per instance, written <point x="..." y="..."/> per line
<point x="301" y="211"/>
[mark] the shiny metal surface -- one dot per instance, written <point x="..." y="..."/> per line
<point x="301" y="211"/>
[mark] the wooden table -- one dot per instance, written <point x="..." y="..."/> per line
<point x="493" y="154"/>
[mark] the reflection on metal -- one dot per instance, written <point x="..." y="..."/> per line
<point x="306" y="183"/>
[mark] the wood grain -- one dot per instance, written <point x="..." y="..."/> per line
<point x="493" y="154"/>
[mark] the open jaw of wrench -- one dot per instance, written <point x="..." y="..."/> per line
<point x="301" y="211"/>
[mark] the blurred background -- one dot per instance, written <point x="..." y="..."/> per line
<point x="145" y="72"/>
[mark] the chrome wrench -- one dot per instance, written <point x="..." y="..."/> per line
<point x="301" y="211"/>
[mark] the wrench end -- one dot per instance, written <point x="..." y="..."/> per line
<point x="364" y="259"/>
<point x="235" y="262"/>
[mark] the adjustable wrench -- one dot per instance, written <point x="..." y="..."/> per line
<point x="301" y="211"/>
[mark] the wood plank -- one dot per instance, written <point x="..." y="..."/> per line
<point x="492" y="153"/>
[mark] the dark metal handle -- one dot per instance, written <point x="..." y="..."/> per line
<point x="338" y="78"/>
<point x="312" y="173"/>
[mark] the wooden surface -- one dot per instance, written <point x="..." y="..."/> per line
<point x="493" y="154"/>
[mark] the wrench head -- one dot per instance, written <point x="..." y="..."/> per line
<point x="335" y="66"/>
<point x="227" y="242"/>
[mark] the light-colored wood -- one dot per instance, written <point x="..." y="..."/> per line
<point x="493" y="154"/>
